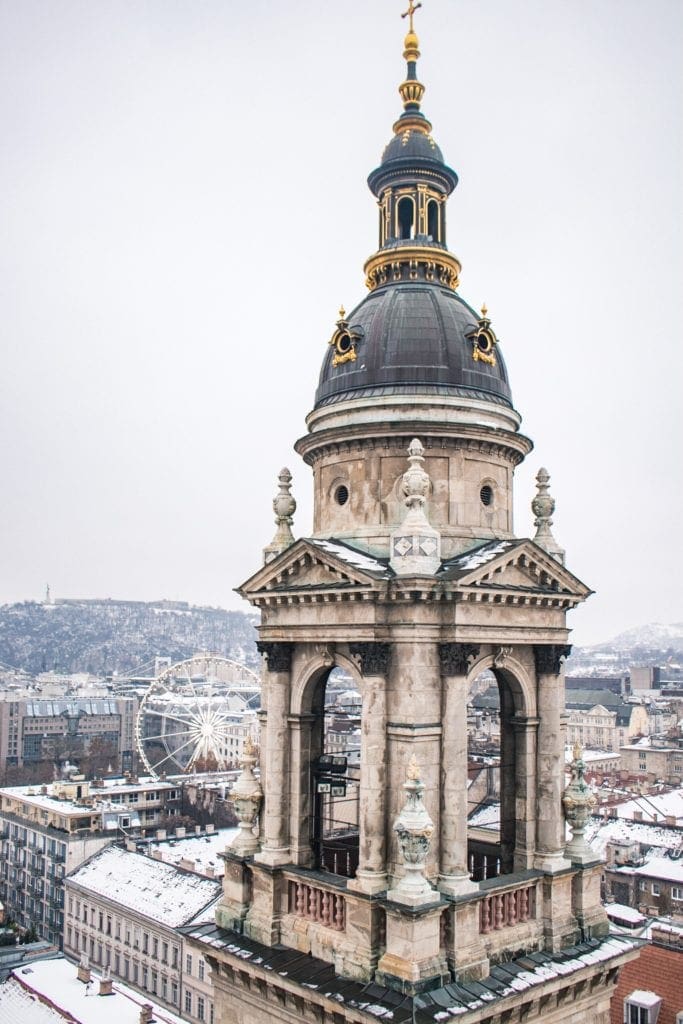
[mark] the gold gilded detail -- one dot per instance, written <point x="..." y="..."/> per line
<point x="344" y="341"/>
<point x="410" y="13"/>
<point x="483" y="340"/>
<point x="413" y="261"/>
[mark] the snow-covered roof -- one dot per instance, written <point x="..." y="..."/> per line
<point x="201" y="851"/>
<point x="478" y="556"/>
<point x="655" y="807"/>
<point x="664" y="868"/>
<point x="624" y="913"/>
<point x="357" y="559"/>
<point x="486" y="817"/>
<point x="162" y="892"/>
<point x="49" y="992"/>
<point x="625" y="831"/>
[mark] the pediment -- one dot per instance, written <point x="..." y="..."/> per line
<point x="315" y="565"/>
<point x="513" y="566"/>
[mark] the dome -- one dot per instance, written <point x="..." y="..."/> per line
<point x="412" y="145"/>
<point x="413" y="338"/>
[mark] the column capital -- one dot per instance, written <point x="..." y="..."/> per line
<point x="278" y="655"/>
<point x="373" y="658"/>
<point x="455" y="658"/>
<point x="549" y="657"/>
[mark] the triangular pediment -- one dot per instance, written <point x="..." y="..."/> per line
<point x="310" y="564"/>
<point x="513" y="565"/>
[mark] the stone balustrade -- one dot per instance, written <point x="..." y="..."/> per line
<point x="508" y="908"/>
<point x="317" y="904"/>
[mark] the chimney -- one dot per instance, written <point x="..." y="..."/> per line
<point x="161" y="833"/>
<point x="83" y="973"/>
<point x="146" y="1013"/>
<point x="106" y="983"/>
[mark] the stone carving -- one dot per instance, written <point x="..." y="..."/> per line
<point x="415" y="545"/>
<point x="247" y="797"/>
<point x="549" y="657"/>
<point x="456" y="658"/>
<point x="372" y="658"/>
<point x="284" y="507"/>
<point x="502" y="655"/>
<point x="414" y="829"/>
<point x="278" y="655"/>
<point x="543" y="506"/>
<point x="578" y="802"/>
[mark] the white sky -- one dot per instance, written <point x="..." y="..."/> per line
<point x="184" y="208"/>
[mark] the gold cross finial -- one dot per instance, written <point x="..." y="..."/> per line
<point x="412" y="7"/>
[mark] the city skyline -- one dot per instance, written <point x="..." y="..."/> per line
<point x="185" y="200"/>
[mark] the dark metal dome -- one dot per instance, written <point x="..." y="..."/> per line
<point x="412" y="144"/>
<point x="413" y="338"/>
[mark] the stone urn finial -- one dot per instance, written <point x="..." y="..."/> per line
<point x="578" y="802"/>
<point x="284" y="507"/>
<point x="414" y="829"/>
<point x="247" y="797"/>
<point x="415" y="545"/>
<point x="543" y="506"/>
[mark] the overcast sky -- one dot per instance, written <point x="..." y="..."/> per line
<point x="184" y="208"/>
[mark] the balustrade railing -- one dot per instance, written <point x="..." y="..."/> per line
<point x="318" y="905"/>
<point x="506" y="909"/>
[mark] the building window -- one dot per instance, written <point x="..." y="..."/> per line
<point x="642" y="1008"/>
<point x="677" y="892"/>
<point x="145" y="942"/>
<point x="656" y="891"/>
<point x="200" y="1008"/>
<point x="188" y="964"/>
<point x="175" y="956"/>
<point x="164" y="952"/>
<point x="188" y="1001"/>
<point x="200" y="970"/>
<point x="211" y="1020"/>
<point x="155" y="948"/>
<point x="174" y="993"/>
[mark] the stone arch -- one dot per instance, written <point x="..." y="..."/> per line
<point x="515" y="676"/>
<point x="312" y="811"/>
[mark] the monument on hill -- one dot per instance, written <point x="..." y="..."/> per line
<point x="413" y="583"/>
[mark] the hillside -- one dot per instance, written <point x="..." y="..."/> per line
<point x="118" y="636"/>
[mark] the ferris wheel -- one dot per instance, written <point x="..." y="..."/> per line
<point x="193" y="714"/>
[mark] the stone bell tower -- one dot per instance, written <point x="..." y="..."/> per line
<point x="413" y="583"/>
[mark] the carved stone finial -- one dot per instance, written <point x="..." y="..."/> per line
<point x="413" y="770"/>
<point x="543" y="506"/>
<point x="578" y="802"/>
<point x="414" y="829"/>
<point x="415" y="545"/>
<point x="284" y="507"/>
<point x="247" y="797"/>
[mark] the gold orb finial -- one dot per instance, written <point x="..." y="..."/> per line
<point x="484" y="311"/>
<point x="342" y="312"/>
<point x="411" y="43"/>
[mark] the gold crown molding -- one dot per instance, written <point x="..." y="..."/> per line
<point x="411" y="91"/>
<point x="405" y="264"/>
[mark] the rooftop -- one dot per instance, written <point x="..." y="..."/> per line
<point x="162" y="892"/>
<point x="48" y="992"/>
<point x="442" y="1004"/>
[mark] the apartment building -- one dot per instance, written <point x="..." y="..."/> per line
<point x="47" y="831"/>
<point x="124" y="911"/>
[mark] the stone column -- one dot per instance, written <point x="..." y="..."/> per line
<point x="371" y="876"/>
<point x="275" y="745"/>
<point x="550" y="840"/>
<point x="454" y="876"/>
<point x="525" y="729"/>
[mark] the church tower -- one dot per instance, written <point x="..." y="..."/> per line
<point x="413" y="584"/>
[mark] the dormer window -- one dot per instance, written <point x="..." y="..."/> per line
<point x="642" y="1007"/>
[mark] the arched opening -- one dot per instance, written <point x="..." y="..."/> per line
<point x="405" y="216"/>
<point x="492" y="773"/>
<point x="433" y="221"/>
<point x="335" y="774"/>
